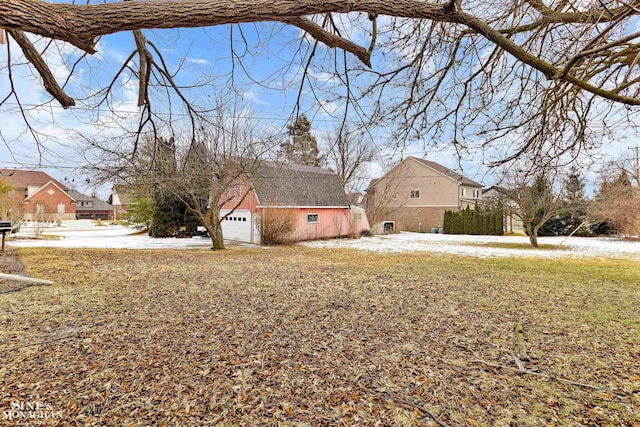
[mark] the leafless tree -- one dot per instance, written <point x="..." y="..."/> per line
<point x="537" y="198"/>
<point x="348" y="154"/>
<point x="525" y="77"/>
<point x="618" y="203"/>
<point x="207" y="173"/>
<point x="11" y="206"/>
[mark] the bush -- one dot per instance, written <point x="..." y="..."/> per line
<point x="484" y="221"/>
<point x="366" y="233"/>
<point x="276" y="226"/>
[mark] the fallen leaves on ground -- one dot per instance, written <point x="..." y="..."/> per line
<point x="297" y="336"/>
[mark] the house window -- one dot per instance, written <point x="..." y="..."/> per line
<point x="462" y="191"/>
<point x="476" y="194"/>
<point x="61" y="208"/>
<point x="40" y="208"/>
<point x="357" y="216"/>
<point x="415" y="194"/>
<point x="313" y="218"/>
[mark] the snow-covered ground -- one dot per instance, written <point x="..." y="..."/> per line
<point x="86" y="234"/>
<point x="577" y="247"/>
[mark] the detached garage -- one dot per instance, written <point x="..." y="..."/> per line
<point x="240" y="226"/>
<point x="312" y="196"/>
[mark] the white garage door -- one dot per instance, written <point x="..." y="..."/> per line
<point x="237" y="226"/>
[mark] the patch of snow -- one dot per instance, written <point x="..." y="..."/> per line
<point x="88" y="235"/>
<point x="406" y="242"/>
<point x="85" y="234"/>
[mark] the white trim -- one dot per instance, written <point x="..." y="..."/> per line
<point x="255" y="193"/>
<point x="57" y="186"/>
<point x="302" y="207"/>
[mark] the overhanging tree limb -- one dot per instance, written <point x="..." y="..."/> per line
<point x="48" y="80"/>
<point x="81" y="25"/>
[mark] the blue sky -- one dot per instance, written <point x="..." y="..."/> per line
<point x="268" y="80"/>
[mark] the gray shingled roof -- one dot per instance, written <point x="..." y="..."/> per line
<point x="278" y="184"/>
<point x="98" y="205"/>
<point x="446" y="171"/>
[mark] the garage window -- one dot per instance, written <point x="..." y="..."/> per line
<point x="313" y="218"/>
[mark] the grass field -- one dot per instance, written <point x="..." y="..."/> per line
<point x="300" y="336"/>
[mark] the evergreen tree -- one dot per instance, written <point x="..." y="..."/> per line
<point x="475" y="220"/>
<point x="169" y="210"/>
<point x="498" y="222"/>
<point x="575" y="203"/>
<point x="302" y="147"/>
<point x="574" y="208"/>
<point x="446" y="223"/>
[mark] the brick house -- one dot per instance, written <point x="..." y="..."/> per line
<point x="414" y="195"/>
<point x="43" y="197"/>
<point x="88" y="207"/>
<point x="121" y="195"/>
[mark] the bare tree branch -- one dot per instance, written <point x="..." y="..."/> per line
<point x="48" y="80"/>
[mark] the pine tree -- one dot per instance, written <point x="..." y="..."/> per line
<point x="475" y="220"/>
<point x="302" y="147"/>
<point x="168" y="209"/>
<point x="467" y="221"/>
<point x="575" y="203"/>
<point x="446" y="223"/>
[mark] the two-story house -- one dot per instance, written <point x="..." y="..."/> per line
<point x="414" y="195"/>
<point x="43" y="198"/>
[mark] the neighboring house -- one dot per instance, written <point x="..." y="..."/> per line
<point x="314" y="196"/>
<point x="414" y="195"/>
<point x="43" y="198"/>
<point x="356" y="199"/>
<point x="91" y="207"/>
<point x="120" y="201"/>
<point x="512" y="220"/>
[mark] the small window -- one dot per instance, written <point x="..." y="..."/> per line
<point x="462" y="191"/>
<point x="476" y="194"/>
<point x="12" y="193"/>
<point x="313" y="218"/>
<point x="244" y="219"/>
<point x="415" y="194"/>
<point x="357" y="216"/>
<point x="40" y="208"/>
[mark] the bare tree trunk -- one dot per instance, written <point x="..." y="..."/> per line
<point x="211" y="222"/>
<point x="533" y="235"/>
<point x="216" y="238"/>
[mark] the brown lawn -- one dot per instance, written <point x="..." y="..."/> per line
<point x="297" y="336"/>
